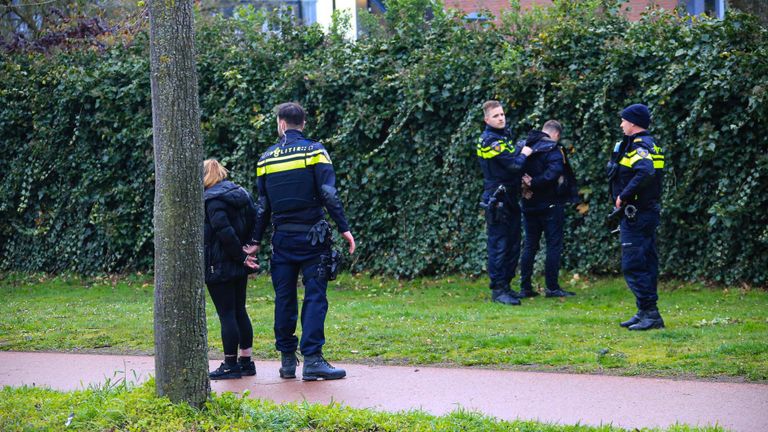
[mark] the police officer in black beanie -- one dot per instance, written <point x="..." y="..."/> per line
<point x="636" y="172"/>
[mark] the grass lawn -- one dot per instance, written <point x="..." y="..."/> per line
<point x="447" y="321"/>
<point x="109" y="408"/>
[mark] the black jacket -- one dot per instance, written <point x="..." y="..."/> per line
<point x="295" y="180"/>
<point x="552" y="181"/>
<point x="230" y="215"/>
<point x="500" y="162"/>
<point x="638" y="171"/>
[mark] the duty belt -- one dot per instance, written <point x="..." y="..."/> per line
<point x="290" y="227"/>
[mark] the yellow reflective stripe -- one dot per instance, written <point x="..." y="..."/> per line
<point x="479" y="147"/>
<point x="269" y="166"/>
<point x="632" y="153"/>
<point x="490" y="152"/>
<point x="318" y="158"/>
<point x="638" y="140"/>
<point x="629" y="161"/>
<point x="487" y="152"/>
<point x="658" y="161"/>
<point x="280" y="167"/>
<point x="290" y="156"/>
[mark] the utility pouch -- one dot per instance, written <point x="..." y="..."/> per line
<point x="497" y="212"/>
<point x="615" y="216"/>
<point x="630" y="212"/>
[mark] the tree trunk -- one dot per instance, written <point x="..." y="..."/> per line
<point x="181" y="339"/>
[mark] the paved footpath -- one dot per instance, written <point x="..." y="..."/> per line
<point x="568" y="399"/>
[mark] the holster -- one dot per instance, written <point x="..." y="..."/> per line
<point x="628" y="211"/>
<point x="330" y="264"/>
<point x="492" y="209"/>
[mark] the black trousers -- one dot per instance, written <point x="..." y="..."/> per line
<point x="229" y="299"/>
<point x="293" y="254"/>
<point x="503" y="245"/>
<point x="549" y="222"/>
<point x="639" y="257"/>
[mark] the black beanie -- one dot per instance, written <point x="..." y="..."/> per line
<point x="637" y="114"/>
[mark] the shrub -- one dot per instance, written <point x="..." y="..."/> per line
<point x="399" y="111"/>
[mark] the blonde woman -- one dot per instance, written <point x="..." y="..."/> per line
<point x="230" y="215"/>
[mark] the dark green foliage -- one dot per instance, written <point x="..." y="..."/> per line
<point x="399" y="112"/>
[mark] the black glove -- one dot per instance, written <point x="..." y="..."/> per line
<point x="318" y="233"/>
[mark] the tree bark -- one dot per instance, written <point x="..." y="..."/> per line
<point x="181" y="339"/>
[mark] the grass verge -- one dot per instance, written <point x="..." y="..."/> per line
<point x="711" y="333"/>
<point x="117" y="407"/>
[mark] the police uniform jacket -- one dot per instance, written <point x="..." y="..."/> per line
<point x="230" y="216"/>
<point x="637" y="165"/>
<point x="500" y="161"/>
<point x="295" y="180"/>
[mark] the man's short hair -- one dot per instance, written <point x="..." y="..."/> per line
<point x="292" y="113"/>
<point x="489" y="105"/>
<point x="553" y="126"/>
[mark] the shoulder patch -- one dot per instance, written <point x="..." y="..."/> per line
<point x="642" y="152"/>
<point x="496" y="146"/>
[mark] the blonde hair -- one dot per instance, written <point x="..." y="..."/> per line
<point x="213" y="172"/>
<point x="489" y="105"/>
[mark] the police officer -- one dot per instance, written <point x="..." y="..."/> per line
<point x="546" y="188"/>
<point x="501" y="165"/>
<point x="295" y="181"/>
<point x="636" y="174"/>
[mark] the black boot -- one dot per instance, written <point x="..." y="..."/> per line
<point x="226" y="371"/>
<point x="650" y="319"/>
<point x="317" y="368"/>
<point x="528" y="293"/>
<point x="504" y="296"/>
<point x="288" y="362"/>
<point x="632" y="321"/>
<point x="247" y="366"/>
<point x="558" y="293"/>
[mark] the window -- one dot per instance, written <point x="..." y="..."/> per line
<point x="713" y="8"/>
<point x="304" y="10"/>
<point x="476" y="17"/>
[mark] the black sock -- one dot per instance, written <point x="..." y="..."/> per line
<point x="230" y="360"/>
<point x="245" y="360"/>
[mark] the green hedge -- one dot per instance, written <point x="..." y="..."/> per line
<point x="399" y="112"/>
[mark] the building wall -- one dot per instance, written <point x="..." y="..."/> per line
<point x="638" y="6"/>
<point x="634" y="7"/>
<point x="325" y="9"/>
